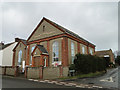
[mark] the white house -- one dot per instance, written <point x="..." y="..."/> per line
<point x="6" y="54"/>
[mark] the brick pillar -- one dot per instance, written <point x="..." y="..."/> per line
<point x="65" y="51"/>
<point x="25" y="55"/>
<point x="41" y="60"/>
<point x="13" y="64"/>
<point x="48" y="43"/>
<point x="28" y="57"/>
<point x="48" y="49"/>
<point x="41" y="72"/>
<point x="87" y="49"/>
<point x="26" y="68"/>
<point x="5" y="70"/>
<point x="78" y="46"/>
<point x="33" y="62"/>
<point x="61" y="71"/>
<point x="16" y="70"/>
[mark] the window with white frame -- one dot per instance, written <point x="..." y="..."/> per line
<point x="72" y="51"/>
<point x="31" y="52"/>
<point x="55" y="49"/>
<point x="20" y="57"/>
<point x="83" y="50"/>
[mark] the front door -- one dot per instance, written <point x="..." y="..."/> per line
<point x="37" y="61"/>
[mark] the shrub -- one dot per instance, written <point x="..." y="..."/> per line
<point x="72" y="67"/>
<point x="118" y="60"/>
<point x="88" y="63"/>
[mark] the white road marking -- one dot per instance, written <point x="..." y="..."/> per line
<point x="46" y="80"/>
<point x="31" y="79"/>
<point x="100" y="87"/>
<point x="42" y="81"/>
<point x="49" y="82"/>
<point x="79" y="86"/>
<point x="89" y="87"/>
<point x="68" y="85"/>
<point x="36" y="80"/>
<point x="72" y="84"/>
<point x="63" y="82"/>
<point x="95" y="86"/>
<point x="107" y="80"/>
<point x="54" y="81"/>
<point x="58" y="83"/>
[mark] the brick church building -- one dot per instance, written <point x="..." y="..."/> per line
<point x="50" y="45"/>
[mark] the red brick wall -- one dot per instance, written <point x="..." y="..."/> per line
<point x="65" y="51"/>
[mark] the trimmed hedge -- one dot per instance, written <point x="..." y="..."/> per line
<point x="88" y="63"/>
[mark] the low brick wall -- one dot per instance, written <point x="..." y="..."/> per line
<point x="46" y="72"/>
<point x="9" y="70"/>
<point x="51" y="72"/>
<point x="2" y="70"/>
<point x="33" y="72"/>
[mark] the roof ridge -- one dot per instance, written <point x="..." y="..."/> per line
<point x="67" y="30"/>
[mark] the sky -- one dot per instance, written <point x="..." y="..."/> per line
<point x="96" y="22"/>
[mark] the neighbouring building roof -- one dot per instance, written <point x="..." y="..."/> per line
<point x="103" y="52"/>
<point x="3" y="46"/>
<point x="20" y="40"/>
<point x="42" y="49"/>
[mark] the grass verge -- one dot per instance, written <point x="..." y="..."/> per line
<point x="89" y="75"/>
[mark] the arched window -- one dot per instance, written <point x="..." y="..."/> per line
<point x="55" y="48"/>
<point x="20" y="57"/>
<point x="72" y="51"/>
<point x="31" y="52"/>
<point x="83" y="50"/>
<point x="91" y="51"/>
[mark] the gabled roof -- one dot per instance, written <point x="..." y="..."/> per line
<point x="24" y="41"/>
<point x="60" y="28"/>
<point x="21" y="40"/>
<point x="5" y="46"/>
<point x="42" y="49"/>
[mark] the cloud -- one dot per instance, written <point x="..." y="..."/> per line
<point x="96" y="22"/>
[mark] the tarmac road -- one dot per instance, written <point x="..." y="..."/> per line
<point x="110" y="80"/>
<point x="11" y="82"/>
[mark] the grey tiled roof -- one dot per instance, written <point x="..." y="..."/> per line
<point x="5" y="46"/>
<point x="42" y="49"/>
<point x="68" y="31"/>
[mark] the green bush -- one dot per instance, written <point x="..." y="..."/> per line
<point x="117" y="60"/>
<point x="72" y="67"/>
<point x="88" y="63"/>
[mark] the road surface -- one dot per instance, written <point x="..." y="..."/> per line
<point x="11" y="82"/>
<point x="110" y="80"/>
